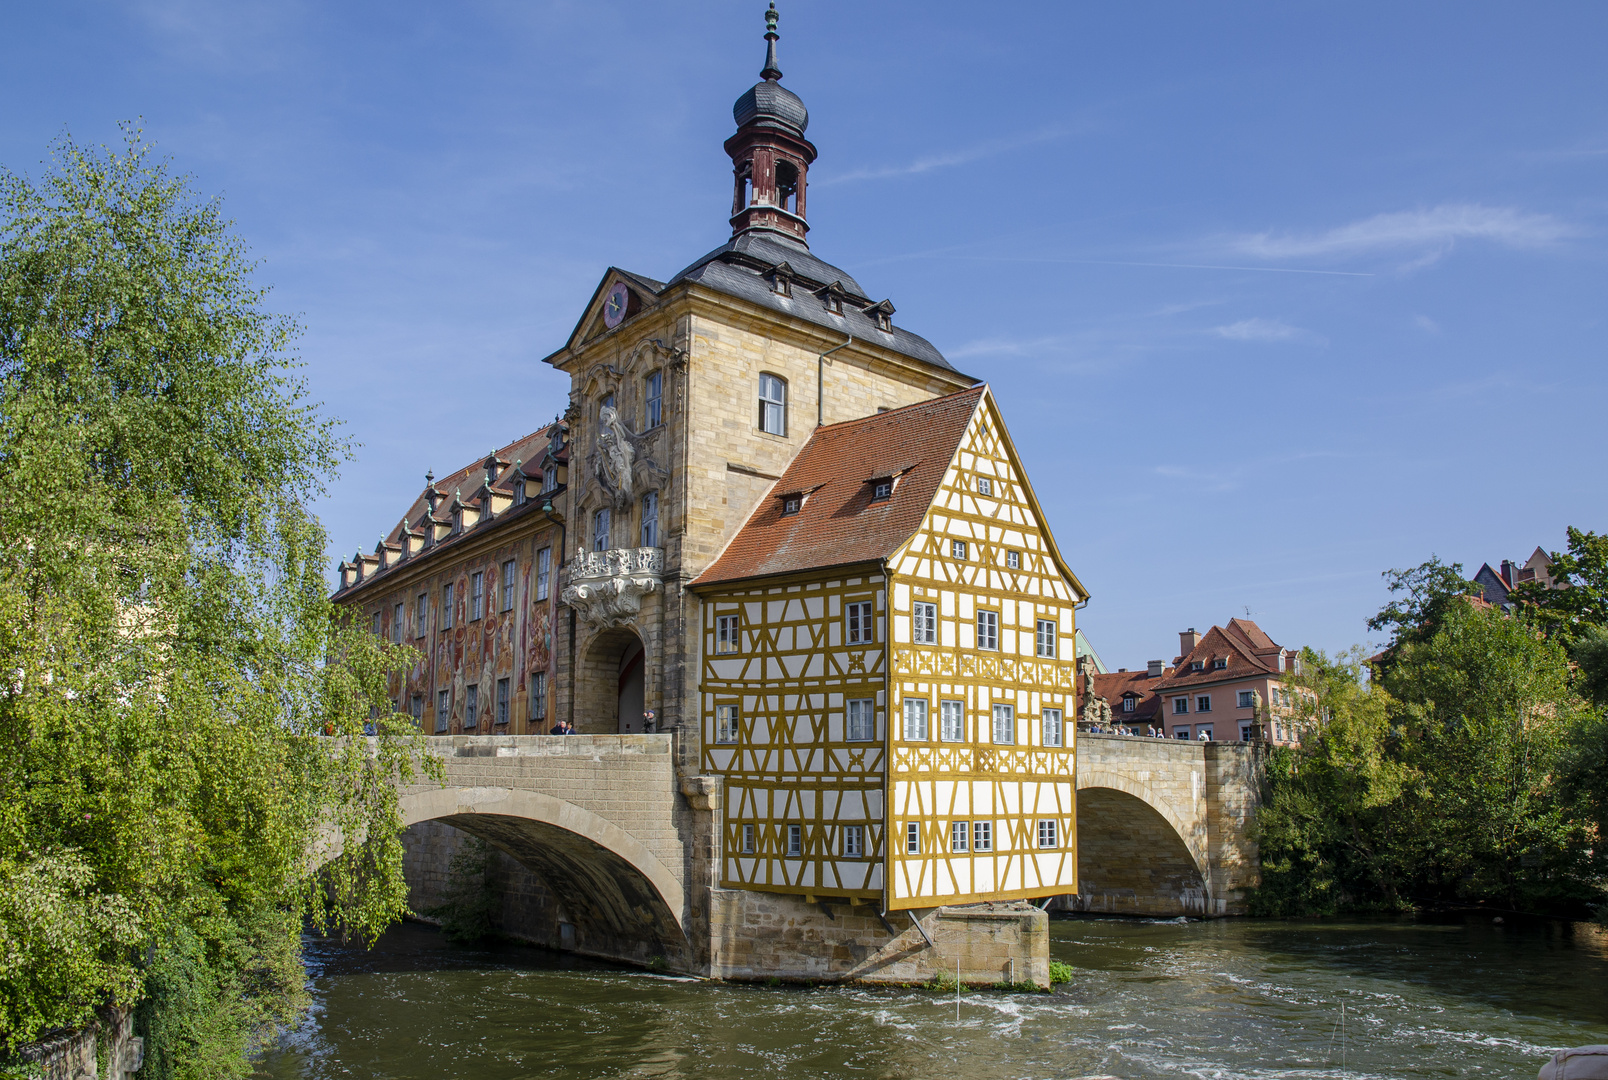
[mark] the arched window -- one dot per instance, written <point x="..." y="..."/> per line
<point x="772" y="404"/>
<point x="600" y="530"/>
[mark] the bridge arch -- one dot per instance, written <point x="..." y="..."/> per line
<point x="1138" y="854"/>
<point x="619" y="898"/>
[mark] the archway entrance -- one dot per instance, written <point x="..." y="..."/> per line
<point x="613" y="685"/>
<point x="1131" y="861"/>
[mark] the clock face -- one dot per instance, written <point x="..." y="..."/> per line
<point x="614" y="305"/>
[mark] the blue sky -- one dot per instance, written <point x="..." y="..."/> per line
<point x="1274" y="297"/>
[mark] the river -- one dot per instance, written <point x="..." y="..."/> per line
<point x="1213" y="1000"/>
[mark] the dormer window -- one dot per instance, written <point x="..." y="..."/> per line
<point x="1128" y="703"/>
<point x="781" y="279"/>
<point x="457" y="519"/>
<point x="881" y="490"/>
<point x="1219" y="664"/>
<point x="832" y="296"/>
<point x="519" y="491"/>
<point x="791" y="504"/>
<point x="1197" y="665"/>
<point x="882" y="315"/>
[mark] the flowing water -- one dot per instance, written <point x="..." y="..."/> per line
<point x="1214" y="1000"/>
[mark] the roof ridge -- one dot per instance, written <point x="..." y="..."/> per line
<point x="977" y="388"/>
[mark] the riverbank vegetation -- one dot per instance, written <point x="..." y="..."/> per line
<point x="170" y="663"/>
<point x="1466" y="764"/>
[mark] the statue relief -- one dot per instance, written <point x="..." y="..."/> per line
<point x="1093" y="709"/>
<point x="616" y="456"/>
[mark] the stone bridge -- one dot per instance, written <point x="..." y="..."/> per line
<point x="605" y="851"/>
<point x="1164" y="826"/>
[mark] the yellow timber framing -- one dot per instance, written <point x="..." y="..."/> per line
<point x="792" y="765"/>
<point x="1017" y="787"/>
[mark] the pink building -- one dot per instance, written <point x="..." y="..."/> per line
<point x="1219" y="683"/>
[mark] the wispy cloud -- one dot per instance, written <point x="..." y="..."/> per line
<point x="1434" y="231"/>
<point x="948" y="159"/>
<point x="1260" y="330"/>
<point x="1426" y="324"/>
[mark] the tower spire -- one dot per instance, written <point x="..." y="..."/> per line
<point x="771" y="71"/>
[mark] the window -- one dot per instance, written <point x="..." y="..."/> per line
<point x="957" y="548"/>
<point x="1004" y="724"/>
<point x="538" y="695"/>
<point x="988" y="629"/>
<point x="1245" y="733"/>
<point x="915" y="719"/>
<point x="606" y="403"/>
<point x="443" y="709"/>
<point x="791" y="504"/>
<point x="982" y="836"/>
<point x="727" y="722"/>
<point x="1052" y="727"/>
<point x="862" y="720"/>
<point x="952" y="721"/>
<point x="600" y="530"/>
<point x="519" y="491"/>
<point x="853" y="841"/>
<point x="446" y="606"/>
<point x="397" y="619"/>
<point x="1247" y="699"/>
<point x="748" y="839"/>
<point x="924" y="623"/>
<point x="377" y="624"/>
<point x="471" y="704"/>
<point x="507" y="586"/>
<point x="883" y="489"/>
<point x="1219" y="664"/>
<point x="650" y="519"/>
<point x="795" y="839"/>
<point x="772" y="405"/>
<point x="1046" y="637"/>
<point x="477" y="595"/>
<point x="985" y="486"/>
<point x="1180" y="706"/>
<point x="959" y="835"/>
<point x="550" y="479"/>
<point x="861" y="623"/>
<point x="1197" y="665"/>
<point x="727" y="633"/>
<point x="913" y="838"/>
<point x="544" y="569"/>
<point x="655" y="398"/>
<point x="502" y="701"/>
<point x="416" y="709"/>
<point x="1203" y="703"/>
<point x="1048" y="833"/>
<point x="1181" y="732"/>
<point x="1013" y="560"/>
<point x="421" y="609"/>
<point x="1128" y="702"/>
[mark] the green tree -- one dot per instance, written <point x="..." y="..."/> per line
<point x="1570" y="612"/>
<point x="1426" y="592"/>
<point x="170" y="652"/>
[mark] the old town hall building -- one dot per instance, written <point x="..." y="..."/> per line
<point x="777" y="523"/>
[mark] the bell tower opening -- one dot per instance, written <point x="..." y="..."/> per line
<point x="769" y="153"/>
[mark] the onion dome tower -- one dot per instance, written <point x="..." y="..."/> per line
<point x="770" y="155"/>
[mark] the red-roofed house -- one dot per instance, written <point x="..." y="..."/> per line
<point x="1230" y="685"/>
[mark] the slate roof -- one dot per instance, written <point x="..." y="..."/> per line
<point x="838" y="524"/>
<point x="738" y="268"/>
<point x="1247" y="648"/>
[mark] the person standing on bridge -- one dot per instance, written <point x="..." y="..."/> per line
<point x="563" y="727"/>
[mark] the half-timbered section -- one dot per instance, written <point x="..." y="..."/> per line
<point x="982" y="788"/>
<point x="887" y="670"/>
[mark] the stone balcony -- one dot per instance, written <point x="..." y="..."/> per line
<point x="607" y="587"/>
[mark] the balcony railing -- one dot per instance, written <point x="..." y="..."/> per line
<point x="607" y="587"/>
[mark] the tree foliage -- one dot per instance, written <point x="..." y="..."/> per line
<point x="1462" y="772"/>
<point x="1581" y="606"/>
<point x="170" y="654"/>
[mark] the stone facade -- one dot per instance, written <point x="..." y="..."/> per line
<point x="74" y="1055"/>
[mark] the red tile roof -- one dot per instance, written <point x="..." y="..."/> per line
<point x="838" y="524"/>
<point x="1247" y="648"/>
<point x="1115" y="684"/>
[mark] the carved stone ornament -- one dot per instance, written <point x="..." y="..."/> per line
<point x="607" y="587"/>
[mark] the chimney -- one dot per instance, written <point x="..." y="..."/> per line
<point x="1507" y="572"/>
<point x="1187" y="641"/>
<point x="1157" y="669"/>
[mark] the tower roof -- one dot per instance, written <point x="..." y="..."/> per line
<point x="769" y="102"/>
